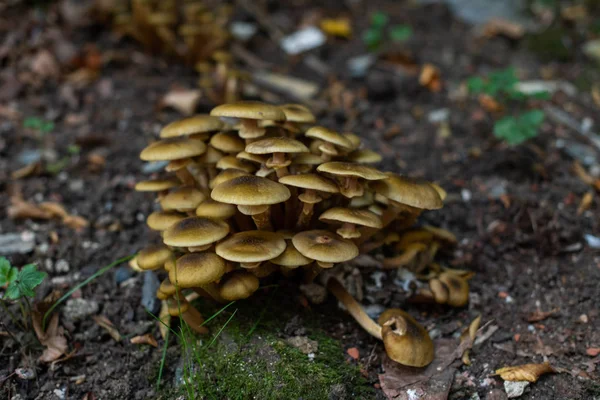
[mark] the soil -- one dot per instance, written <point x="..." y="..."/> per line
<point x="526" y="245"/>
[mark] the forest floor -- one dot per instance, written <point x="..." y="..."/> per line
<point x="513" y="208"/>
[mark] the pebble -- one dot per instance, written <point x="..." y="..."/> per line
<point x="77" y="309"/>
<point x="359" y="65"/>
<point x="592" y="241"/>
<point x="122" y="274"/>
<point x="155" y="166"/>
<point x="60" y="393"/>
<point x="592" y="49"/>
<point x="374" y="310"/>
<point x="62" y="266"/>
<point x="302" y="40"/>
<point x="149" y="288"/>
<point x="466" y="195"/>
<point x="304" y="344"/>
<point x="243" y="31"/>
<point x="76" y="185"/>
<point x="438" y="116"/>
<point x="17" y="243"/>
<point x="29" y="156"/>
<point x="515" y="389"/>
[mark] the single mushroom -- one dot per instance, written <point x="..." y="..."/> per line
<point x="279" y="147"/>
<point x="179" y="306"/>
<point x="184" y="199"/>
<point x="405" y="340"/>
<point x="191" y="126"/>
<point x="227" y="142"/>
<point x="349" y="175"/>
<point x="196" y="232"/>
<point x="199" y="270"/>
<point x="238" y="285"/>
<point x="153" y="257"/>
<point x="291" y="258"/>
<point x="249" y="113"/>
<point x="350" y="218"/>
<point x="213" y="209"/>
<point x="325" y="247"/>
<point x="251" y="248"/>
<point x="253" y="196"/>
<point x="162" y="220"/>
<point x="330" y="142"/>
<point x="364" y="156"/>
<point x="175" y="149"/>
<point x="297" y="116"/>
<point x="458" y="289"/>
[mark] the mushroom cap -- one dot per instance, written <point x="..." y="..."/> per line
<point x="441" y="191"/>
<point x="249" y="110"/>
<point x="405" y="340"/>
<point x="211" y="156"/>
<point x="231" y="162"/>
<point x="197" y="269"/>
<point x="352" y="216"/>
<point x="329" y="136"/>
<point x="412" y="192"/>
<point x="341" y="168"/>
<point x="162" y="220"/>
<point x="183" y="198"/>
<point x="156" y="185"/>
<point x="324" y="246"/>
<point x="297" y="113"/>
<point x="458" y="289"/>
<point x="225" y="175"/>
<point x="167" y="287"/>
<point x="227" y="142"/>
<point x="439" y="290"/>
<point x="176" y="165"/>
<point x="364" y="156"/>
<point x="173" y="149"/>
<point x="250" y="190"/>
<point x="276" y="145"/>
<point x="177" y="307"/>
<point x="256" y="158"/>
<point x="238" y="285"/>
<point x="213" y="209"/>
<point x="195" y="231"/>
<point x="291" y="257"/>
<point x="153" y="257"/>
<point x="353" y="138"/>
<point x="310" y="182"/>
<point x="251" y="246"/>
<point x="307" y="159"/>
<point x="189" y="126"/>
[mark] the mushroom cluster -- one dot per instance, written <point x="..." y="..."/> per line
<point x="255" y="189"/>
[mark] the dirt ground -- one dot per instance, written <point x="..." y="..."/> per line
<point x="514" y="209"/>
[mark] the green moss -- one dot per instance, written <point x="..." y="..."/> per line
<point x="250" y="360"/>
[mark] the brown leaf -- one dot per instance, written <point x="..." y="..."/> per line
<point x="20" y="209"/>
<point x="538" y="315"/>
<point x="53" y="338"/>
<point x="525" y="372"/>
<point x="470" y="334"/>
<point x="76" y="222"/>
<point x="430" y="77"/>
<point x="26" y="171"/>
<point x="586" y="202"/>
<point x="182" y="100"/>
<point x="45" y="65"/>
<point x="144" y="339"/>
<point x="104" y="322"/>
<point x="500" y="26"/>
<point x="55" y="209"/>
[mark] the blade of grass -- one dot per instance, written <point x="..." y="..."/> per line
<point x="223" y="327"/>
<point x="162" y="361"/>
<point x="98" y="273"/>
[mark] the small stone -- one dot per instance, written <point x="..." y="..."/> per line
<point x="155" y="166"/>
<point x="60" y="393"/>
<point x="496" y="394"/>
<point x="149" y="300"/>
<point x="515" y="389"/>
<point x="314" y="292"/>
<point x="62" y="266"/>
<point x="303" y="343"/>
<point x="359" y="65"/>
<point x="76" y="185"/>
<point x="29" y="156"/>
<point x="122" y="274"/>
<point x="592" y="241"/>
<point x="243" y="31"/>
<point x="17" y="243"/>
<point x="374" y="310"/>
<point x="438" y="116"/>
<point x="77" y="309"/>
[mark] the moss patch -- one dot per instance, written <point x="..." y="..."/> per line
<point x="250" y="360"/>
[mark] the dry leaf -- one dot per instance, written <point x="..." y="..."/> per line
<point x="20" y="209"/>
<point x="182" y="100"/>
<point x="55" y="209"/>
<point x="538" y="315"/>
<point x="489" y="103"/>
<point x="582" y="173"/>
<point x="53" y="338"/>
<point x="586" y="203"/>
<point x="144" y="339"/>
<point x="103" y="322"/>
<point x="525" y="372"/>
<point x="430" y="77"/>
<point x="25" y="171"/>
<point x="470" y="334"/>
<point x="500" y="26"/>
<point x="336" y="27"/>
<point x="75" y="222"/>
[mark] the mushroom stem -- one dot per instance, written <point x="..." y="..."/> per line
<point x="194" y="319"/>
<point x="185" y="177"/>
<point x="263" y="220"/>
<point x="311" y="271"/>
<point x="405" y="258"/>
<point x="354" y="308"/>
<point x="305" y="215"/>
<point x="250" y="129"/>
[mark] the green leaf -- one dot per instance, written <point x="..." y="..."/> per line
<point x="533" y="118"/>
<point x="8" y="274"/>
<point x="476" y="85"/>
<point x="379" y="20"/>
<point x="29" y="278"/>
<point x="400" y="33"/>
<point x="12" y="291"/>
<point x="372" y="38"/>
<point x="516" y="130"/>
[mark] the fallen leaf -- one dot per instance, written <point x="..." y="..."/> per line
<point x="26" y="171"/>
<point x="182" y="100"/>
<point x="525" y="372"/>
<point x="353" y="352"/>
<point x="144" y="339"/>
<point x="336" y="27"/>
<point x="20" y="209"/>
<point x="500" y="26"/>
<point x="45" y="65"/>
<point x="430" y="77"/>
<point x="53" y="338"/>
<point x="75" y="222"/>
<point x="55" y="209"/>
<point x="104" y="322"/>
<point x="586" y="203"/>
<point x="470" y="334"/>
<point x="538" y="315"/>
<point x="489" y="103"/>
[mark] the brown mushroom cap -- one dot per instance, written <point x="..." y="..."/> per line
<point x="276" y="145"/>
<point x="173" y="149"/>
<point x="255" y="158"/>
<point x="297" y="113"/>
<point x="177" y="307"/>
<point x="340" y="168"/>
<point x="352" y="216"/>
<point x="412" y="192"/>
<point x="183" y="198"/>
<point x="162" y="220"/>
<point x="189" y="126"/>
<point x="250" y="190"/>
<point x="195" y="231"/>
<point x="354" y="139"/>
<point x="291" y="257"/>
<point x="251" y="246"/>
<point x="310" y="182"/>
<point x="167" y="287"/>
<point x="197" y="269"/>
<point x="213" y="209"/>
<point x="307" y="159"/>
<point x="329" y="136"/>
<point x="227" y="142"/>
<point x="249" y="110"/>
<point x="364" y="156"/>
<point x="458" y="289"/>
<point x="153" y="257"/>
<point x="405" y="340"/>
<point x="238" y="285"/>
<point x="225" y="175"/>
<point x="324" y="246"/>
<point x="231" y="162"/>
<point x="441" y="191"/>
<point x="156" y="185"/>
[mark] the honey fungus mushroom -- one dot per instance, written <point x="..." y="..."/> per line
<point x="325" y="247"/>
<point x="352" y="176"/>
<point x="405" y="340"/>
<point x="249" y="113"/>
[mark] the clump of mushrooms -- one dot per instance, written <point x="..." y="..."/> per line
<point x="253" y="190"/>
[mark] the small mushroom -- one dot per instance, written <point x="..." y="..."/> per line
<point x="156" y="185"/>
<point x="249" y="113"/>
<point x="199" y="270"/>
<point x="195" y="231"/>
<point x="184" y="199"/>
<point x="227" y="142"/>
<point x="349" y="218"/>
<point x="330" y="142"/>
<point x="238" y="285"/>
<point x="458" y="289"/>
<point x="153" y="257"/>
<point x="179" y="306"/>
<point x="405" y="340"/>
<point x="297" y="116"/>
<point x="175" y="149"/>
<point x="325" y="247"/>
<point x="190" y="126"/>
<point x="349" y="174"/>
<point x="162" y="220"/>
<point x="279" y="147"/>
<point x="253" y="196"/>
<point x="250" y="248"/>
<point x="213" y="209"/>
<point x="226" y="175"/>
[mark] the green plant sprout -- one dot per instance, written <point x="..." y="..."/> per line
<point x="502" y="86"/>
<point x="38" y="124"/>
<point x="19" y="284"/>
<point x="376" y="33"/>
